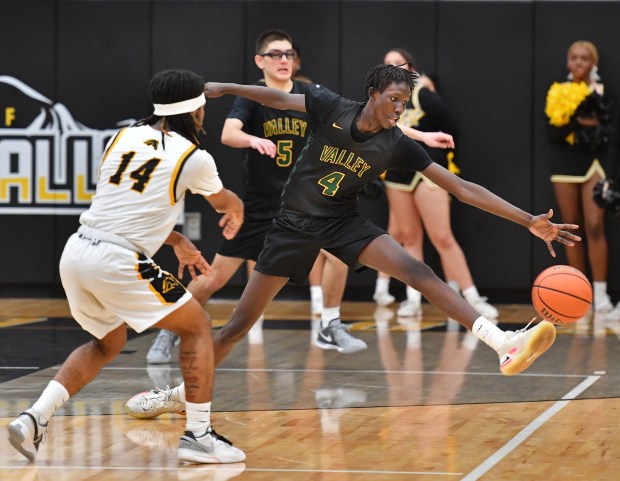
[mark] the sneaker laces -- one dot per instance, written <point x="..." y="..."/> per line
<point x="511" y="334"/>
<point x="342" y="331"/>
<point x="156" y="393"/>
<point x="219" y="437"/>
<point x="163" y="342"/>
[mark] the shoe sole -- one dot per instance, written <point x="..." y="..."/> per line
<point x="535" y="347"/>
<point x="190" y="456"/>
<point x="17" y="440"/>
<point x="338" y="348"/>
<point x="148" y="415"/>
<point x="158" y="361"/>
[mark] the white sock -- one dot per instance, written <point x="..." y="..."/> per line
<point x="488" y="333"/>
<point x="179" y="391"/>
<point x="328" y="315"/>
<point x="316" y="293"/>
<point x="52" y="398"/>
<point x="382" y="285"/>
<point x="600" y="289"/>
<point x="413" y="295"/>
<point x="198" y="417"/>
<point x="454" y="285"/>
<point x="471" y="293"/>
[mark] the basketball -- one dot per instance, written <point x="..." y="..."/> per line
<point x="561" y="295"/>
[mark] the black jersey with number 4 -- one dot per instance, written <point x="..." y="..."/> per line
<point x="288" y="130"/>
<point x="338" y="159"/>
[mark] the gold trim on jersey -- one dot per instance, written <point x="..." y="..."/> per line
<point x="595" y="168"/>
<point x="177" y="172"/>
<point x="113" y="144"/>
<point x="410" y="187"/>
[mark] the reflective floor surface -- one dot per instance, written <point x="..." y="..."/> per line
<point x="425" y="401"/>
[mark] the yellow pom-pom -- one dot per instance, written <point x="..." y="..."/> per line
<point x="563" y="100"/>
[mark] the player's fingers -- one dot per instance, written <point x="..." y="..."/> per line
<point x="569" y="226"/>
<point x="564" y="241"/>
<point x="223" y="220"/>
<point x="192" y="272"/>
<point x="203" y="266"/>
<point x="569" y="235"/>
<point x="550" y="247"/>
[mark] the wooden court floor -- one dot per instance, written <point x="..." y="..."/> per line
<point x="424" y="402"/>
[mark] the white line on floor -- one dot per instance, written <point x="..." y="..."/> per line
<point x="501" y="453"/>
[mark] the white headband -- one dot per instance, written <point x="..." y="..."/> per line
<point x="182" y="107"/>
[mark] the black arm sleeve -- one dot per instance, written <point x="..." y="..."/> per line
<point x="409" y="155"/>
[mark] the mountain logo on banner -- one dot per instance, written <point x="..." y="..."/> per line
<point x="48" y="160"/>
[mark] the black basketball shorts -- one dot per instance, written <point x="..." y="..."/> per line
<point x="294" y="242"/>
<point x="248" y="243"/>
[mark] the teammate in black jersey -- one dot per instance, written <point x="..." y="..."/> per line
<point x="352" y="144"/>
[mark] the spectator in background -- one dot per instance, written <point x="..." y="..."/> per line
<point x="418" y="204"/>
<point x="580" y="127"/>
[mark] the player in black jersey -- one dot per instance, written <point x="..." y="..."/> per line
<point x="351" y="145"/>
<point x="273" y="139"/>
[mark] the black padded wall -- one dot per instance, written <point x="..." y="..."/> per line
<point x="492" y="62"/>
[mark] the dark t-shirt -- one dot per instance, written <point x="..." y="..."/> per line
<point x="288" y="129"/>
<point x="338" y="160"/>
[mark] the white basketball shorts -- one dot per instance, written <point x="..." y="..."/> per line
<point x="107" y="284"/>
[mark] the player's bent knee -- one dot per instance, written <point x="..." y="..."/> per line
<point x="417" y="272"/>
<point x="235" y="329"/>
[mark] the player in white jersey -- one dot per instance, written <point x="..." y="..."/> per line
<point x="109" y="276"/>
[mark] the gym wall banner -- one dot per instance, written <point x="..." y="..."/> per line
<point x="49" y="161"/>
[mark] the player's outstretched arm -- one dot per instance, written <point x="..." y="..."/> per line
<point x="480" y="197"/>
<point x="265" y="95"/>
<point x="228" y="203"/>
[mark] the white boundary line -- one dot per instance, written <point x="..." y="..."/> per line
<point x="501" y="453"/>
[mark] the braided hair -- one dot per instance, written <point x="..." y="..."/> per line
<point x="170" y="86"/>
<point x="382" y="76"/>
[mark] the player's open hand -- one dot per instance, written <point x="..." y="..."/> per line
<point x="214" y="89"/>
<point x="439" y="140"/>
<point x="264" y="146"/>
<point x="189" y="256"/>
<point x="231" y="223"/>
<point x="542" y="227"/>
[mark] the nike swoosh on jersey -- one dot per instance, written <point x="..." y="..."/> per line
<point x="336" y="126"/>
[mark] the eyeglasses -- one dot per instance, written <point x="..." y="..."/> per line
<point x="278" y="54"/>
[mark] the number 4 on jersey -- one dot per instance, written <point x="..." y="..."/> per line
<point x="331" y="183"/>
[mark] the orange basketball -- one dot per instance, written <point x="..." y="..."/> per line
<point x="561" y="294"/>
